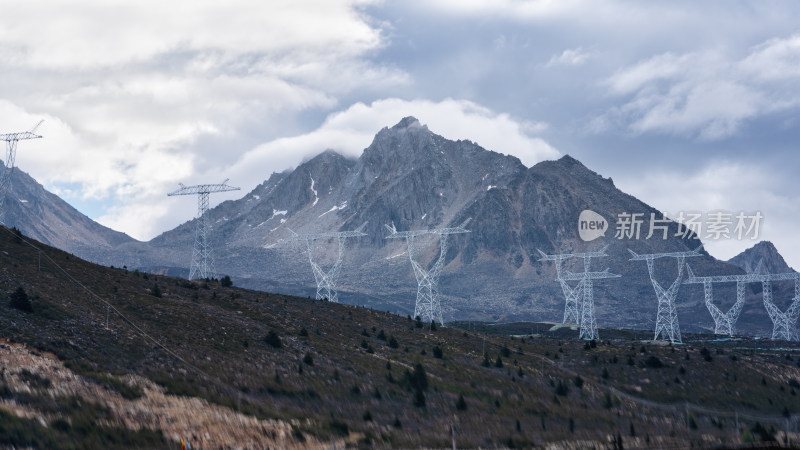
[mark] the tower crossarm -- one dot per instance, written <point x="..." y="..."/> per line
<point x="22" y="135"/>
<point x="757" y="277"/>
<point x="747" y="278"/>
<point x="12" y="139"/>
<point x="598" y="254"/>
<point x="203" y="189"/>
<point x="640" y="257"/>
<point x="394" y="234"/>
<point x="341" y="234"/>
<point x="570" y="276"/>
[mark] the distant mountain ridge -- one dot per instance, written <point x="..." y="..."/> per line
<point x="763" y="251"/>
<point x="38" y="213"/>
<point x="417" y="179"/>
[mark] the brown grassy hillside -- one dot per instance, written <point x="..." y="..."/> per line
<point x="353" y="374"/>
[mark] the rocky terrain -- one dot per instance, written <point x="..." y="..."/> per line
<point x="203" y="424"/>
<point x="765" y="252"/>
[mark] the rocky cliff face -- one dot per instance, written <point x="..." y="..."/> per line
<point x="763" y="251"/>
<point x="416" y="179"/>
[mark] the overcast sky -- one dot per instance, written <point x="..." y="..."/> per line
<point x="690" y="106"/>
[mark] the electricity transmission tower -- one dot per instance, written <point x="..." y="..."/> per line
<point x="202" y="259"/>
<point x="12" y="139"/>
<point x="428" y="307"/>
<point x="667" y="318"/>
<point x="582" y="311"/>
<point x="724" y="323"/>
<point x="326" y="282"/>
<point x="784" y="323"/>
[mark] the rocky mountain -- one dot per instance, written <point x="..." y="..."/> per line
<point x="40" y="214"/>
<point x="416" y="179"/>
<point x="763" y="251"/>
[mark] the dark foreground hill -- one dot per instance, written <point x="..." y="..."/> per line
<point x="223" y="366"/>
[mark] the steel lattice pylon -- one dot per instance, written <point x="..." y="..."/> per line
<point x="202" y="265"/>
<point x="326" y="281"/>
<point x="784" y="323"/>
<point x="582" y="311"/>
<point x="667" y="324"/>
<point x="12" y="139"/>
<point x="428" y="306"/>
<point x="724" y="323"/>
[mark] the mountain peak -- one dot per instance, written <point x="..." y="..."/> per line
<point x="568" y="160"/>
<point x="762" y="251"/>
<point x="409" y="122"/>
<point x="325" y="156"/>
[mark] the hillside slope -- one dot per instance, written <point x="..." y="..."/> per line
<point x="39" y="213"/>
<point x="350" y="373"/>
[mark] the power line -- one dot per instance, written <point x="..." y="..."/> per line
<point x="122" y="316"/>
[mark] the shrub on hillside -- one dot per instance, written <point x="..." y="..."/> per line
<point x="273" y="339"/>
<point x="653" y="362"/>
<point x="19" y="300"/>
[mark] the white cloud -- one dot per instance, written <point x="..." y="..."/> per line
<point x="146" y="212"/>
<point x="569" y="57"/>
<point x="138" y="96"/>
<point x="350" y="131"/>
<point x="731" y="187"/>
<point x="517" y="9"/>
<point x="97" y="33"/>
<point x="659" y="67"/>
<point x="775" y="59"/>
<point x="705" y="95"/>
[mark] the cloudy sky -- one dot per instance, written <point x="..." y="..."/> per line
<point x="690" y="106"/>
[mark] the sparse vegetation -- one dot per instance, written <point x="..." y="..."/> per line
<point x="19" y="300"/>
<point x="346" y="382"/>
<point x="273" y="340"/>
<point x="461" y="404"/>
<point x="653" y="362"/>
